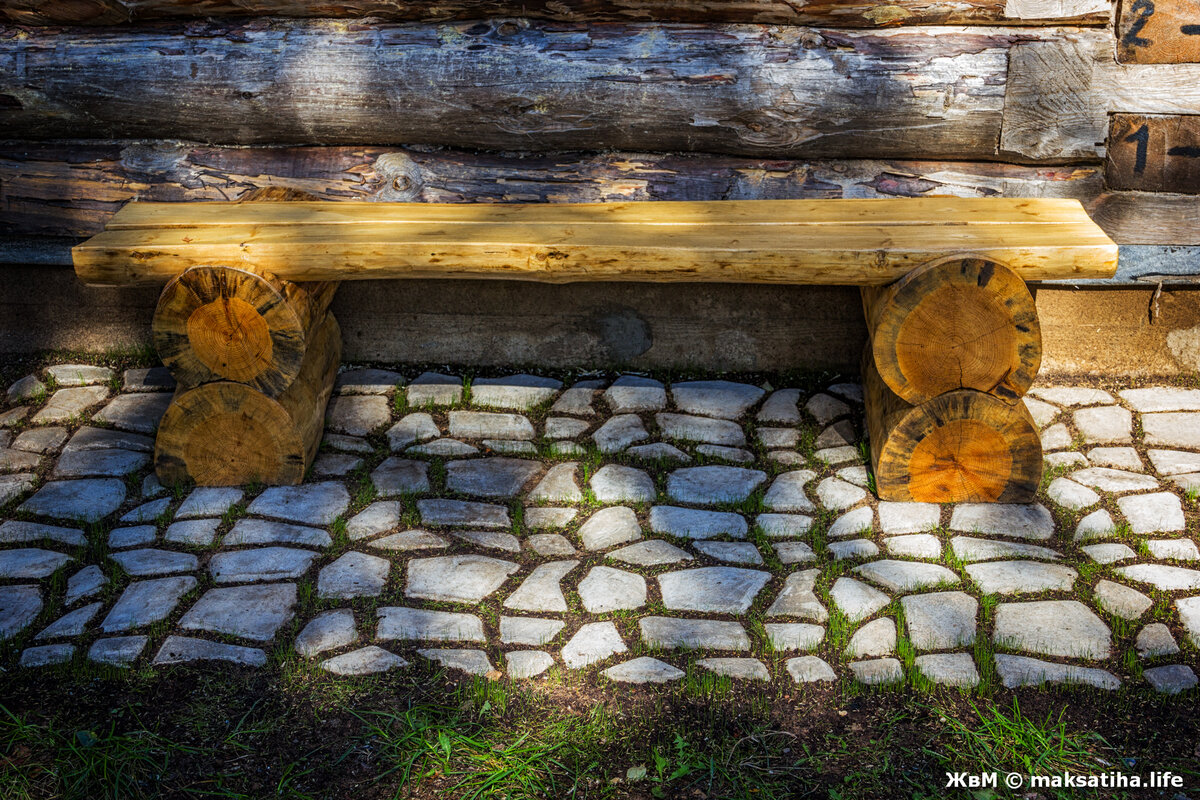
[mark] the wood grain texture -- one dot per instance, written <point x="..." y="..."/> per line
<point x="1158" y="32"/>
<point x="1154" y="153"/>
<point x="229" y="434"/>
<point x="1149" y="217"/>
<point x="918" y="92"/>
<point x="842" y="13"/>
<point x="955" y="324"/>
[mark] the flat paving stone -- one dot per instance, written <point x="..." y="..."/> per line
<point x="1043" y="413"/>
<point x="309" y="504"/>
<point x="183" y="649"/>
<point x="260" y="564"/>
<point x="50" y="439"/>
<point x="704" y="430"/>
<point x="514" y="447"/>
<point x="915" y="545"/>
<point x="608" y="589"/>
<point x="1165" y="462"/>
<point x="529" y="630"/>
<point x="852" y="548"/>
<point x="411" y="429"/>
<point x="84" y="584"/>
<point x="369" y="660"/>
<point x="367" y="381"/>
<point x="73" y="623"/>
<point x="150" y="561"/>
<point x="329" y="630"/>
<point x="489" y="425"/>
<point x="13" y="486"/>
<point x="1175" y="549"/>
<point x="1064" y="628"/>
<point x="794" y="553"/>
<point x="146" y="602"/>
<point x="16" y="531"/>
<point x="417" y="624"/>
<point x="1152" y="513"/>
<point x="117" y="651"/>
<point x="1162" y="576"/>
<point x="457" y="578"/>
<point x="1017" y="671"/>
<point x="948" y="669"/>
<point x="1096" y="525"/>
<point x="1072" y="395"/>
<point x="497" y="477"/>
<point x="797" y="598"/>
<point x="856" y="600"/>
<point x="443" y="448"/>
<point x="877" y="672"/>
<point x="619" y="432"/>
<point x="693" y="634"/>
<point x="783" y="526"/>
<point x="787" y="492"/>
<point x="67" y="404"/>
<point x="723" y="399"/>
<point x="152" y="379"/>
<point x="609" y="527"/>
<point x="549" y="544"/>
<point x="18" y="460"/>
<point x="540" y="518"/>
<point x="1155" y="640"/>
<point x="793" y="635"/>
<point x="266" y="531"/>
<point x="1104" y="424"/>
<point x="523" y="664"/>
<point x="563" y="449"/>
<point x="1021" y="577"/>
<point x="88" y="500"/>
<point x="737" y="455"/>
<point x="462" y="513"/>
<point x="19" y="607"/>
<point x="1171" y="679"/>
<point x="47" y="655"/>
<point x="940" y="620"/>
<point x="837" y="455"/>
<point x="542" y="590"/>
<point x="514" y="391"/>
<point x="577" y="400"/>
<point x="1109" y="552"/>
<point x="1116" y="457"/>
<point x="1120" y="600"/>
<point x="719" y="590"/>
<point x="825" y="408"/>
<point x="358" y="415"/>
<point x="13" y="415"/>
<point x="434" y="389"/>
<point x="591" y="644"/>
<point x="139" y="413"/>
<point x="730" y="552"/>
<point x="713" y="484"/>
<point x="836" y="495"/>
<point x="79" y="374"/>
<point x="634" y="393"/>
<point x="198" y="532"/>
<point x="786" y="458"/>
<point x="1002" y="519"/>
<point x="691" y="523"/>
<point x="643" y="670"/>
<point x="661" y="451"/>
<point x="614" y="483"/>
<point x="147" y="512"/>
<point x="1172" y="429"/>
<point x="490" y="540"/>
<point x="24" y="389"/>
<point x="853" y="522"/>
<point x="839" y="434"/>
<point x="897" y="518"/>
<point x="748" y="669"/>
<point x="810" y="669"/>
<point x="876" y="638"/>
<point x="31" y="562"/>
<point x="776" y="438"/>
<point x="1069" y="494"/>
<point x="1067" y="460"/>
<point x="247" y="612"/>
<point x="906" y="576"/>
<point x="969" y="549"/>
<point x="782" y="407"/>
<point x="1162" y="398"/>
<point x="651" y="553"/>
<point x="397" y="476"/>
<point x="1114" y="480"/>
<point x="211" y="501"/>
<point x="558" y="486"/>
<point x="335" y="465"/>
<point x="354" y="574"/>
<point x="1189" y="617"/>
<point x="151" y="487"/>
<point x="373" y="520"/>
<point x="410" y="540"/>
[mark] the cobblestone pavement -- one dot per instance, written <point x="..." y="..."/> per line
<point x="516" y="526"/>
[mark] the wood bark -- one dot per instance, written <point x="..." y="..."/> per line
<point x="955" y="324"/>
<point x="961" y="446"/>
<point x="842" y="13"/>
<point x="917" y="92"/>
<point x="227" y="434"/>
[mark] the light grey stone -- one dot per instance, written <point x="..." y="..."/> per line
<point x="369" y="660"/>
<point x="463" y="513"/>
<point x="693" y="634"/>
<point x="1166" y="462"/>
<point x="1189" y="617"/>
<point x="1152" y="513"/>
<point x="139" y="413"/>
<point x="1069" y="494"/>
<point x="687" y="428"/>
<point x="353" y="575"/>
<point x="1017" y="671"/>
<point x="73" y="623"/>
<point x="565" y="427"/>
<point x="544" y="518"/>
<point x="722" y="399"/>
<point x="797" y="598"/>
<point x="592" y="643"/>
<point x="775" y="438"/>
<point x="83" y="584"/>
<point x="878" y="671"/>
<point x="489" y="425"/>
<point x="153" y="379"/>
<point x="1067" y="460"/>
<point x="633" y="393"/>
<point x="1043" y="413"/>
<point x="810" y="669"/>
<point x="13" y="415"/>
<point x="1109" y="553"/>
<point x="335" y="465"/>
<point x="908" y="517"/>
<point x="248" y="612"/>
<point x="916" y="545"/>
<point x="490" y="540"/>
<point x="783" y="526"/>
<point x="661" y="451"/>
<point x="1121" y="601"/>
<point x="794" y="553"/>
<point x="855" y="599"/>
<point x="940" y="620"/>
<point x="450" y="448"/>
<point x="839" y="434"/>
<point x="619" y="432"/>
<point x="1171" y="679"/>
<point x="969" y="548"/>
<point x="1021" y="577"/>
<point x="1188" y="483"/>
<point x="1172" y="429"/>
<point x="643" y="670"/>
<point x="398" y="476"/>
<point x="609" y="527"/>
<point x="1064" y="628"/>
<point x="786" y="458"/>
<point x="19" y="606"/>
<point x="13" y="486"/>
<point x="209" y="502"/>
<point x="357" y="415"/>
<point x="1176" y="549"/>
<point x="367" y="381"/>
<point x="549" y="544"/>
<point x="1104" y="424"/>
<point x="718" y="590"/>
<point x="79" y="374"/>
<point x="948" y="669"/>
<point x="906" y="576"/>
<point x="26" y="388"/>
<point x="497" y="477"/>
<point x="731" y="552"/>
<point x="16" y="532"/>
<point x="31" y="562"/>
<point x="852" y="548"/>
<point x="734" y="454"/>
<point x="1162" y="398"/>
<point x="608" y="589"/>
<point x="782" y="407"/>
<point x="88" y="500"/>
<point x="529" y="630"/>
<point x="527" y="663"/>
<point x="1162" y="576"/>
<point x="787" y="492"/>
<point x="577" y="400"/>
<point x="1000" y="519"/>
<point x="67" y="404"/>
<point x="1056" y="437"/>
<point x="826" y="409"/>
<point x="848" y="391"/>
<point x="876" y="638"/>
<point x="714" y="484"/>
<point x="310" y="504"/>
<point x="740" y="668"/>
<point x="793" y="635"/>
<point x="17" y="460"/>
<point x="690" y="523"/>
<point x="151" y="487"/>
<point x="47" y="655"/>
<point x="434" y="389"/>
<point x="1116" y="457"/>
<point x="1096" y="525"/>
<point x="650" y="553"/>
<point x="1072" y="395"/>
<point x="198" y="532"/>
<point x="542" y="590"/>
<point x="836" y="494"/>
<point x="182" y="649"/>
<point x="837" y="455"/>
<point x="136" y="536"/>
<point x="1155" y="640"/>
<point x="148" y="512"/>
<point x="457" y="578"/>
<point x="417" y="624"/>
<point x="150" y="561"/>
<point x="260" y="564"/>
<point x="852" y="523"/>
<point x="514" y="391"/>
<point x="411" y="429"/>
<point x="263" y="531"/>
<point x="373" y="520"/>
<point x="147" y="602"/>
<point x="117" y="651"/>
<point x="1114" y="480"/>
<point x="613" y="483"/>
<point x="410" y="540"/>
<point x="329" y="630"/>
<point x="50" y="439"/>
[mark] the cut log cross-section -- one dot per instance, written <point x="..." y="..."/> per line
<point x="962" y="323"/>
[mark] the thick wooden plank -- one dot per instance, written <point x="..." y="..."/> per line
<point x="843" y="13"/>
<point x="1154" y="153"/>
<point x="1158" y="32"/>
<point x="919" y="92"/>
<point x="1148" y="217"/>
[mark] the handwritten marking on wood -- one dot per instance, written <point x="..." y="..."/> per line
<point x="1159" y="32"/>
<point x="1154" y="153"/>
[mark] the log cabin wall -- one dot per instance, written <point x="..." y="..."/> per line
<point x="103" y="101"/>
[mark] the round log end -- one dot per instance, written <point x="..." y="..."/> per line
<point x="966" y="323"/>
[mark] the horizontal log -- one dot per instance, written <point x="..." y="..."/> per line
<point x="754" y="90"/>
<point x="1152" y="153"/>
<point x="843" y="13"/>
<point x="1158" y="32"/>
<point x="1148" y="217"/>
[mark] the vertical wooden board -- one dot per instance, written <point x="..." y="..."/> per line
<point x="1159" y="32"/>
<point x="1154" y="153"/>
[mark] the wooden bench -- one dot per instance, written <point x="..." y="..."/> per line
<point x="243" y="322"/>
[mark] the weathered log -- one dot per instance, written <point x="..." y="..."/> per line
<point x="742" y="89"/>
<point x="1153" y="153"/>
<point x="962" y="446"/>
<point x="1148" y="217"/>
<point x="961" y="323"/>
<point x="226" y="434"/>
<point x="842" y="13"/>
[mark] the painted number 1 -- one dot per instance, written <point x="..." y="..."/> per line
<point x="1142" y="137"/>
